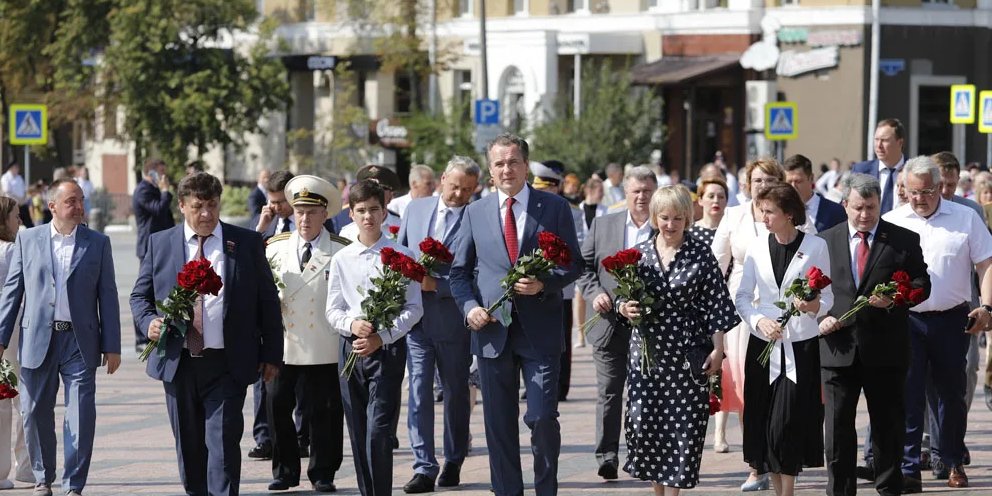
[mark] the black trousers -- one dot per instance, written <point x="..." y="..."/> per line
<point x="565" y="368"/>
<point x="371" y="403"/>
<point x="323" y="409"/>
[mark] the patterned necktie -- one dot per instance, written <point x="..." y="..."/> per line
<point x="194" y="340"/>
<point x="862" y="255"/>
<point x="510" y="231"/>
<point x="887" y="191"/>
<point x="306" y="256"/>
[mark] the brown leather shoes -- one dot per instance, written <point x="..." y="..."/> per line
<point x="957" y="478"/>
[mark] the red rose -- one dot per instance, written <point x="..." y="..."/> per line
<point x="7" y="392"/>
<point x="629" y="257"/>
<point x="714" y="404"/>
<point x="899" y="299"/>
<point x="916" y="296"/>
<point x="413" y="270"/>
<point x="610" y="263"/>
<point x="394" y="230"/>
<point x="436" y="250"/>
<point x="904" y="289"/>
<point x="817" y="279"/>
<point x="901" y="276"/>
<point x="387" y="255"/>
<point x="211" y="284"/>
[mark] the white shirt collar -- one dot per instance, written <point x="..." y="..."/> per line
<point x="813" y="202"/>
<point x="899" y="164"/>
<point x="853" y="233"/>
<point x="188" y="232"/>
<point x="521" y="197"/>
<point x="633" y="225"/>
<point x="55" y="233"/>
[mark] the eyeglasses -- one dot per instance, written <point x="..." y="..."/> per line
<point x="919" y="193"/>
<point x="764" y="180"/>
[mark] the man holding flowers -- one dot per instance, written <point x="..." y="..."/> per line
<point x="428" y="230"/>
<point x="207" y="368"/>
<point x="526" y="329"/>
<point x="870" y="350"/>
<point x="373" y="299"/>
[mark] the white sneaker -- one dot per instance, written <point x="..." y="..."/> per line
<point x="6" y="484"/>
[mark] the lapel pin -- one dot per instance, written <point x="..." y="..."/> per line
<point x="799" y="254"/>
<point x="229" y="247"/>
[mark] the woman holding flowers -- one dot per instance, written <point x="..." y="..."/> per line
<point x="783" y="420"/>
<point x="8" y="232"/>
<point x="679" y="322"/>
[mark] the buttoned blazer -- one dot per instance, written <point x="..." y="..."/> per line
<point x="92" y="290"/>
<point x="308" y="339"/>
<point x="252" y="321"/>
<point x="876" y="336"/>
<point x="442" y="321"/>
<point x="481" y="262"/>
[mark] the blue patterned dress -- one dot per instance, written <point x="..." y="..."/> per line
<point x="668" y="407"/>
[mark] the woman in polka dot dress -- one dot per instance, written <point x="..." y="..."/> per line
<point x="667" y="406"/>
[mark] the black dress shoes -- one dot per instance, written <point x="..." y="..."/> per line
<point x="325" y="487"/>
<point x="911" y="485"/>
<point x="450" y="475"/>
<point x="420" y="483"/>
<point x="866" y="472"/>
<point x="281" y="485"/>
<point x="608" y="470"/>
<point x="261" y="451"/>
<point x="988" y="397"/>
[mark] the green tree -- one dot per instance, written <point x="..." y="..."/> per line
<point x="435" y="138"/>
<point x="181" y="93"/>
<point x="617" y="123"/>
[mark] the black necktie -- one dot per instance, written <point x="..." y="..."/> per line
<point x="285" y="226"/>
<point x="306" y="256"/>
<point x="887" y="196"/>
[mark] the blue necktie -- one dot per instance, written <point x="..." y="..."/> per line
<point x="887" y="191"/>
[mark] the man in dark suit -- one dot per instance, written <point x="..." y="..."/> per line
<point x="494" y="232"/>
<point x="276" y="216"/>
<point x="206" y="375"/>
<point x="440" y="338"/>
<point x="258" y="196"/>
<point x="152" y="206"/>
<point x="610" y="337"/>
<point x="821" y="213"/>
<point x="869" y="351"/>
<point x="890" y="136"/>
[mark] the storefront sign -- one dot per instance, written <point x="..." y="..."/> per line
<point x="832" y="37"/>
<point x="792" y="63"/>
<point x="573" y="43"/>
<point x="793" y="35"/>
<point x="388" y="133"/>
<point x="891" y="67"/>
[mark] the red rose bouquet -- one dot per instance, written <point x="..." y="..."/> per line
<point x="433" y="252"/>
<point x="899" y="289"/>
<point x="8" y="380"/>
<point x="552" y="252"/>
<point x="806" y="289"/>
<point x="196" y="278"/>
<point x="384" y="302"/>
<point x="622" y="265"/>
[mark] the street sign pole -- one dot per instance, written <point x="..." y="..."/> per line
<point x="27" y="164"/>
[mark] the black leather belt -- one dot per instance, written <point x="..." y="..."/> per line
<point x="62" y="326"/>
<point x="205" y="353"/>
<point x="957" y="308"/>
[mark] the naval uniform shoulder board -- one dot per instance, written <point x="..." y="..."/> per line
<point x="278" y="237"/>
<point x="338" y="239"/>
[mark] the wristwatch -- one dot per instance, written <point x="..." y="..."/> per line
<point x="988" y="308"/>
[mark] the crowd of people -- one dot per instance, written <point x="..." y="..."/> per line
<point x="725" y="306"/>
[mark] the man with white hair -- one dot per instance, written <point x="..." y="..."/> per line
<point x="954" y="240"/>
<point x="421" y="186"/>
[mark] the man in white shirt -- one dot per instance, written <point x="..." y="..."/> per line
<point x="610" y="337"/>
<point x="613" y="184"/>
<point x="422" y="184"/>
<point x="12" y="185"/>
<point x="955" y="241"/>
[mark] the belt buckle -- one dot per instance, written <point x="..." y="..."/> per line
<point x="192" y="355"/>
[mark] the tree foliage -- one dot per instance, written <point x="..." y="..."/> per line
<point x="435" y="138"/>
<point x="181" y="89"/>
<point x="617" y="123"/>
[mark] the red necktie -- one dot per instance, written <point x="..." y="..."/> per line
<point x="194" y="340"/>
<point x="510" y="231"/>
<point x="862" y="255"/>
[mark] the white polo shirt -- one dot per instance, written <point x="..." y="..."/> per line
<point x="953" y="239"/>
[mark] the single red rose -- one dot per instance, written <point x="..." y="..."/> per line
<point x="714" y="404"/>
<point x="901" y="276"/>
<point x="394" y="230"/>
<point x="814" y="272"/>
<point x="916" y="296"/>
<point x="387" y="255"/>
<point x="210" y="284"/>
<point x="819" y="282"/>
<point x="629" y="256"/>
<point x="413" y="270"/>
<point x="609" y="263"/>
<point x="7" y="392"/>
<point x="436" y="250"/>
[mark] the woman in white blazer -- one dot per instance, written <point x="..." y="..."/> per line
<point x="11" y="222"/>
<point x="738" y="229"/>
<point x="783" y="421"/>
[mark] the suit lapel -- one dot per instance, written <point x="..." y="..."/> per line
<point x="535" y="210"/>
<point x="496" y="222"/>
<point x="44" y="245"/>
<point x="79" y="251"/>
<point x="229" y="247"/>
<point x="178" y="247"/>
<point x="840" y="245"/>
<point x="880" y="244"/>
<point x="450" y="238"/>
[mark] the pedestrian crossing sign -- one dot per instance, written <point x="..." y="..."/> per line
<point x="985" y="109"/>
<point x="780" y="121"/>
<point x="28" y="124"/>
<point x="962" y="104"/>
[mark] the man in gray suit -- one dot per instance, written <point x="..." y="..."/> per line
<point x="440" y="337"/>
<point x="71" y="317"/>
<point x="610" y="337"/>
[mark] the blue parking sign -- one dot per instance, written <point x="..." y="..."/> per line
<point x="486" y="112"/>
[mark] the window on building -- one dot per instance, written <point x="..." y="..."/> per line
<point x="938" y="2"/>
<point x="577" y="6"/>
<point x="309" y="10"/>
<point x="521" y="7"/>
<point x="653" y="4"/>
<point x="466" y="7"/>
<point x="463" y="92"/>
<point x="788" y="2"/>
<point x="410" y="92"/>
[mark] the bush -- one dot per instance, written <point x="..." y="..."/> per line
<point x="234" y="201"/>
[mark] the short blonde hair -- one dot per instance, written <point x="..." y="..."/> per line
<point x="767" y="165"/>
<point x="675" y="197"/>
<point x="982" y="186"/>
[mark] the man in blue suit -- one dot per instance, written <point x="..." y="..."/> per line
<point x="440" y="337"/>
<point x="890" y="136"/>
<point x="206" y="375"/>
<point x="494" y="232"/>
<point x="821" y="213"/>
<point x="64" y="273"/>
<point x="152" y="206"/>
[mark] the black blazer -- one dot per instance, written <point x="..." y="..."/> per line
<point x="828" y="215"/>
<point x="879" y="337"/>
<point x="256" y="200"/>
<point x="152" y="213"/>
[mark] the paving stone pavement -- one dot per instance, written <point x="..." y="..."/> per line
<point x="135" y="454"/>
